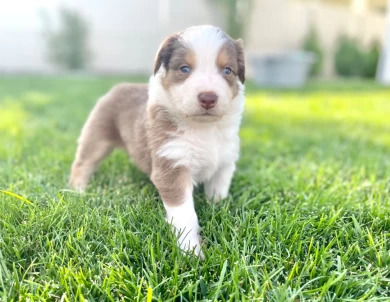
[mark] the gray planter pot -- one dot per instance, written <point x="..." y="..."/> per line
<point x="288" y="70"/>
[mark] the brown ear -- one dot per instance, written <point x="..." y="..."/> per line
<point x="240" y="60"/>
<point x="165" y="52"/>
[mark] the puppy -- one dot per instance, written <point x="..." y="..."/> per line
<point x="182" y="129"/>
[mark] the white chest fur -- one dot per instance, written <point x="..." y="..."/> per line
<point x="203" y="149"/>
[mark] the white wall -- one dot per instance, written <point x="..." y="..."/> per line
<point x="281" y="25"/>
<point x="383" y="75"/>
<point x="125" y="34"/>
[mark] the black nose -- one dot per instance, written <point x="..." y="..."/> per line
<point x="207" y="99"/>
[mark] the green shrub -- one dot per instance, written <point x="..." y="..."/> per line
<point x="68" y="46"/>
<point x="351" y="60"/>
<point x="370" y="60"/>
<point x="312" y="44"/>
<point x="348" y="58"/>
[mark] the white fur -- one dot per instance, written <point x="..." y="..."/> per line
<point x="209" y="147"/>
<point x="204" y="149"/>
<point x="218" y="185"/>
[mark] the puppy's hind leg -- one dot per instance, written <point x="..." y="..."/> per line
<point x="89" y="154"/>
<point x="98" y="138"/>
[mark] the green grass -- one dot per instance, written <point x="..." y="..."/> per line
<point x="308" y="217"/>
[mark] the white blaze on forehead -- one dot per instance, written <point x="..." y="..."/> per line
<point x="206" y="42"/>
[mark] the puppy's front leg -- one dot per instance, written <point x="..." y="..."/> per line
<point x="218" y="186"/>
<point x="175" y="188"/>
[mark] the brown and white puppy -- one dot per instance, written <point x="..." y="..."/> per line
<point x="182" y="129"/>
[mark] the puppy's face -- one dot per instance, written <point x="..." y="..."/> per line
<point x="202" y="69"/>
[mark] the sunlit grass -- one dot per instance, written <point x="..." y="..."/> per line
<point x="12" y="117"/>
<point x="308" y="216"/>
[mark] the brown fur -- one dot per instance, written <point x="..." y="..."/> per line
<point x="181" y="56"/>
<point x="240" y="60"/>
<point x="120" y="119"/>
<point x="165" y="52"/>
<point x="169" y="180"/>
<point x="227" y="57"/>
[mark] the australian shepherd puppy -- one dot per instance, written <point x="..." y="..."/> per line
<point x="182" y="129"/>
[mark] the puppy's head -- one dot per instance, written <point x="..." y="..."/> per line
<point x="202" y="70"/>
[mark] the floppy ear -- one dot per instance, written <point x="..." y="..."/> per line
<point x="165" y="52"/>
<point x="240" y="60"/>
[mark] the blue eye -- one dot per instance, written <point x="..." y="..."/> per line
<point x="227" y="71"/>
<point x="185" y="69"/>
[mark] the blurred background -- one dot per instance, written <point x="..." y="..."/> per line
<point x="286" y="41"/>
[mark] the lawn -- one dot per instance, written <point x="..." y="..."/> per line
<point x="308" y="217"/>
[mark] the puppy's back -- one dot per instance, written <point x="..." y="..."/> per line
<point x="120" y="118"/>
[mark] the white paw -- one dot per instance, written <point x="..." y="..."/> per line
<point x="188" y="238"/>
<point x="77" y="185"/>
<point x="190" y="242"/>
<point x="215" y="197"/>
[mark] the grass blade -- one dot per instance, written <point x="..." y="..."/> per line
<point x="25" y="200"/>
